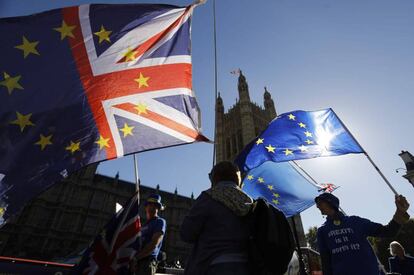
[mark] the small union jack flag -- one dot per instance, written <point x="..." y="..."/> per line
<point x="327" y="187"/>
<point x="113" y="249"/>
<point x="84" y="84"/>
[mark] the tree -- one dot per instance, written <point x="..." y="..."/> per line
<point x="311" y="237"/>
<point x="404" y="237"/>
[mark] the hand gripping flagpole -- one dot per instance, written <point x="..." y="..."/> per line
<point x="369" y="158"/>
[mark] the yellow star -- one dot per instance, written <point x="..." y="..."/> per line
<point x="276" y="195"/>
<point x="11" y="83"/>
<point x="22" y="121"/>
<point x="102" y="142"/>
<point x="270" y="148"/>
<point x="288" y="152"/>
<point x="291" y="117"/>
<point x="250" y="177"/>
<point x="302" y="125"/>
<point x="309" y="141"/>
<point x="260" y="179"/>
<point x="103" y="35"/>
<point x="65" y="30"/>
<point x="44" y="141"/>
<point x="259" y="141"/>
<point x="270" y="187"/>
<point x="142" y="81"/>
<point x="141" y="108"/>
<point x="308" y="134"/>
<point x="127" y="130"/>
<point x="130" y="55"/>
<point x="28" y="47"/>
<point x="275" y="201"/>
<point x="303" y="148"/>
<point x="73" y="147"/>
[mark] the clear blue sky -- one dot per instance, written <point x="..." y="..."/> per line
<point x="356" y="57"/>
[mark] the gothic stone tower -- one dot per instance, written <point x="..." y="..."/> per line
<point x="241" y="124"/>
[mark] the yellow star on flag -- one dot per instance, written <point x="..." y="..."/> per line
<point x="22" y="121"/>
<point x="102" y="142"/>
<point x="127" y="130"/>
<point x="44" y="141"/>
<point x="65" y="30"/>
<point x="28" y="47"/>
<point x="303" y="148"/>
<point x="288" y="152"/>
<point x="11" y="83"/>
<point x="142" y="80"/>
<point x="276" y="195"/>
<point x="275" y="201"/>
<point x="302" y="125"/>
<point x="250" y="177"/>
<point x="73" y="147"/>
<point x="141" y="108"/>
<point x="270" y="148"/>
<point x="291" y="117"/>
<point x="260" y="179"/>
<point x="270" y="187"/>
<point x="259" y="141"/>
<point x="309" y="141"/>
<point x="130" y="55"/>
<point x="308" y="134"/>
<point x="103" y="35"/>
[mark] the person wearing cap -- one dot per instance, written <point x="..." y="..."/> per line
<point x="342" y="239"/>
<point x="217" y="226"/>
<point x="152" y="236"/>
<point x="400" y="262"/>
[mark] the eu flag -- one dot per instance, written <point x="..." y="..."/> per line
<point x="299" y="135"/>
<point x="83" y="84"/>
<point x="281" y="185"/>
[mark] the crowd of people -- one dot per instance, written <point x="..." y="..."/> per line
<point x="217" y="226"/>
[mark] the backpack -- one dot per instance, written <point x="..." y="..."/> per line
<point x="271" y="243"/>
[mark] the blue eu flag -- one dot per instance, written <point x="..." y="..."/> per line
<point x="281" y="185"/>
<point x="299" y="135"/>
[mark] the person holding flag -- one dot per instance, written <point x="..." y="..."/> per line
<point x="342" y="239"/>
<point x="152" y="236"/>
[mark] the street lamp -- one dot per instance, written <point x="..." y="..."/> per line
<point x="409" y="164"/>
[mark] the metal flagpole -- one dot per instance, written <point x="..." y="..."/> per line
<point x="301" y="263"/>
<point x="369" y="158"/>
<point x="137" y="181"/>
<point x="215" y="80"/>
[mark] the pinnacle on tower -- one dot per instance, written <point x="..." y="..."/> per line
<point x="243" y="88"/>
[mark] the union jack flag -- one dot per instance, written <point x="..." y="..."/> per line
<point x="113" y="249"/>
<point x="89" y="83"/>
<point x="327" y="187"/>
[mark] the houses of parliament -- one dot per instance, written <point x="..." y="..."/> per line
<point x="63" y="221"/>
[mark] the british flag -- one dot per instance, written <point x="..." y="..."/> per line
<point x="327" y="187"/>
<point x="89" y="83"/>
<point x="113" y="249"/>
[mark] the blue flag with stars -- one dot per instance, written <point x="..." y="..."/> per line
<point x="299" y="135"/>
<point x="281" y="185"/>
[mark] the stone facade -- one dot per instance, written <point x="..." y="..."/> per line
<point x="62" y="221"/>
<point x="241" y="124"/>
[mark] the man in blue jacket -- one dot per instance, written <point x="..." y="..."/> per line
<point x="342" y="240"/>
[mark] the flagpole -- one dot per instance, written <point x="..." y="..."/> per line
<point x="215" y="80"/>
<point x="369" y="158"/>
<point x="137" y="181"/>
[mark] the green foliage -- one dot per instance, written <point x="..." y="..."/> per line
<point x="405" y="237"/>
<point x="311" y="237"/>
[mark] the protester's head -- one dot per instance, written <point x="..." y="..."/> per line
<point x="396" y="249"/>
<point x="327" y="203"/>
<point x="224" y="171"/>
<point x="153" y="205"/>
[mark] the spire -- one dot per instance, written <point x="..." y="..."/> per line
<point x="243" y="88"/>
<point x="269" y="104"/>
<point x="157" y="189"/>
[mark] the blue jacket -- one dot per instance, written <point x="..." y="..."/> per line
<point x="405" y="267"/>
<point x="344" y="246"/>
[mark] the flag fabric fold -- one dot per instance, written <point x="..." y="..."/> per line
<point x="281" y="185"/>
<point x="299" y="135"/>
<point x="118" y="243"/>
<point x="84" y="84"/>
